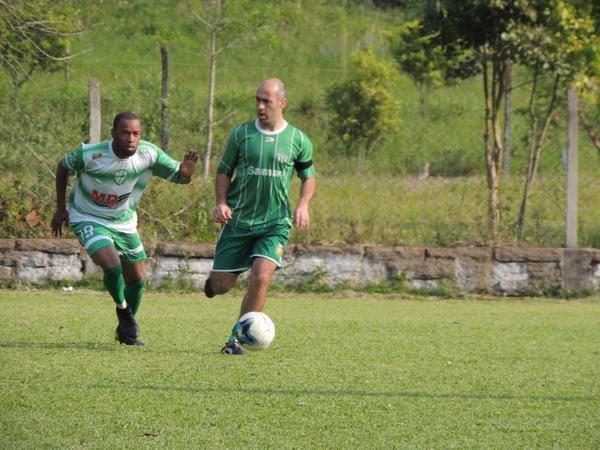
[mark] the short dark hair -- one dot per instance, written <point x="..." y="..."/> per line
<point x="126" y="115"/>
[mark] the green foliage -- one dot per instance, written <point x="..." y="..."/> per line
<point x="558" y="38"/>
<point x="386" y="205"/>
<point x="415" y="54"/>
<point x="34" y="35"/>
<point x="487" y="37"/>
<point x="362" y="105"/>
<point x="315" y="282"/>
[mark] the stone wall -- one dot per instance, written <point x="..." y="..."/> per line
<point x="496" y="270"/>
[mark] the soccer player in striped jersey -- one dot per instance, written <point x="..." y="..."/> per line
<point x="252" y="202"/>
<point x="101" y="210"/>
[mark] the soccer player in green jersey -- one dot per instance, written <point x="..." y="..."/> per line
<point x="252" y="201"/>
<point x="111" y="177"/>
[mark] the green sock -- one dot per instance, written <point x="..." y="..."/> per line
<point x="114" y="283"/>
<point x="133" y="294"/>
<point x="234" y="333"/>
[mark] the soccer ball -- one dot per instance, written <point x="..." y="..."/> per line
<point x="255" y="330"/>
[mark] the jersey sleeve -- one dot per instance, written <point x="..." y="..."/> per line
<point x="73" y="161"/>
<point x="230" y="157"/>
<point x="304" y="162"/>
<point x="165" y="166"/>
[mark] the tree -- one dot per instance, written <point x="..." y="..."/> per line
<point x="560" y="48"/>
<point x="486" y="37"/>
<point x="34" y="35"/>
<point x="589" y="111"/>
<point x="227" y="23"/>
<point x="362" y="106"/>
<point x="417" y="57"/>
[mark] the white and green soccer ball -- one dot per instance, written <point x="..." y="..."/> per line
<point x="255" y="330"/>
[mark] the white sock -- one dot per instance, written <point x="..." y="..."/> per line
<point x="122" y="305"/>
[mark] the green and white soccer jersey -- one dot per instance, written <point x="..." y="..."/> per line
<point x="108" y="188"/>
<point x="263" y="163"/>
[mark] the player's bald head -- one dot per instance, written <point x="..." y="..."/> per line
<point x="273" y="85"/>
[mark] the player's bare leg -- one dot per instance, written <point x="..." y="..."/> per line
<point x="258" y="284"/>
<point x="254" y="300"/>
<point x="219" y="283"/>
<point x="106" y="257"/>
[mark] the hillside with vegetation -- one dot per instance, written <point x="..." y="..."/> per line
<point x="423" y="181"/>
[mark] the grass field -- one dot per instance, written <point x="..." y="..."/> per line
<point x="347" y="370"/>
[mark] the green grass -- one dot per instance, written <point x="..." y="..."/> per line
<point x="347" y="370"/>
<point x="383" y="210"/>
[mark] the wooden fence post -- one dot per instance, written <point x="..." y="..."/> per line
<point x="94" y="89"/>
<point x="573" y="126"/>
<point x="164" y="99"/>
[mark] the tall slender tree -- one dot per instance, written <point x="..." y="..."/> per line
<point x="226" y="23"/>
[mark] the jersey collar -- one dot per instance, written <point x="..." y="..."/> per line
<point x="277" y="131"/>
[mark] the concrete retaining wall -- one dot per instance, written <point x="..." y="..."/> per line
<point x="497" y="270"/>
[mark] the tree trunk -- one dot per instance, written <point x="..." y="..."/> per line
<point x="507" y="138"/>
<point x="16" y="97"/>
<point x="164" y="99"/>
<point x="423" y="101"/>
<point x="67" y="62"/>
<point x="211" y="90"/>
<point x="589" y="127"/>
<point x="493" y="93"/>
<point x="536" y="145"/>
<point x="360" y="157"/>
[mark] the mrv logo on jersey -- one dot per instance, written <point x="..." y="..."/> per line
<point x="108" y="200"/>
<point x="264" y="172"/>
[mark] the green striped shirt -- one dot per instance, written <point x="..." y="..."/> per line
<point x="263" y="163"/>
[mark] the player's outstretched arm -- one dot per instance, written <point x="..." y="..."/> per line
<point x="61" y="216"/>
<point x="301" y="215"/>
<point x="187" y="167"/>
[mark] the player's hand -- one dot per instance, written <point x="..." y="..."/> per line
<point x="188" y="165"/>
<point x="222" y="213"/>
<point x="60" y="216"/>
<point x="301" y="217"/>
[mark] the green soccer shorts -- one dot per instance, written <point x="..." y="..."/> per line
<point x="237" y="247"/>
<point x="93" y="237"/>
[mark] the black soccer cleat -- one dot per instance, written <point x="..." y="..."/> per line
<point x="208" y="290"/>
<point x="128" y="327"/>
<point x="233" y="348"/>
<point x="127" y="340"/>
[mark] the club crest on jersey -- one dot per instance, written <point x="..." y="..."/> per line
<point x="120" y="176"/>
<point x="96" y="156"/>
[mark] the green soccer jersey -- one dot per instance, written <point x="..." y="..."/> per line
<point x="108" y="188"/>
<point x="263" y="163"/>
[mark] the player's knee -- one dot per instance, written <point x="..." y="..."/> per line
<point x="217" y="286"/>
<point x="260" y="278"/>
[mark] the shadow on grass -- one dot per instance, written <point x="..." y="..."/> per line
<point x="96" y="346"/>
<point x="346" y="393"/>
<point x="59" y="345"/>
